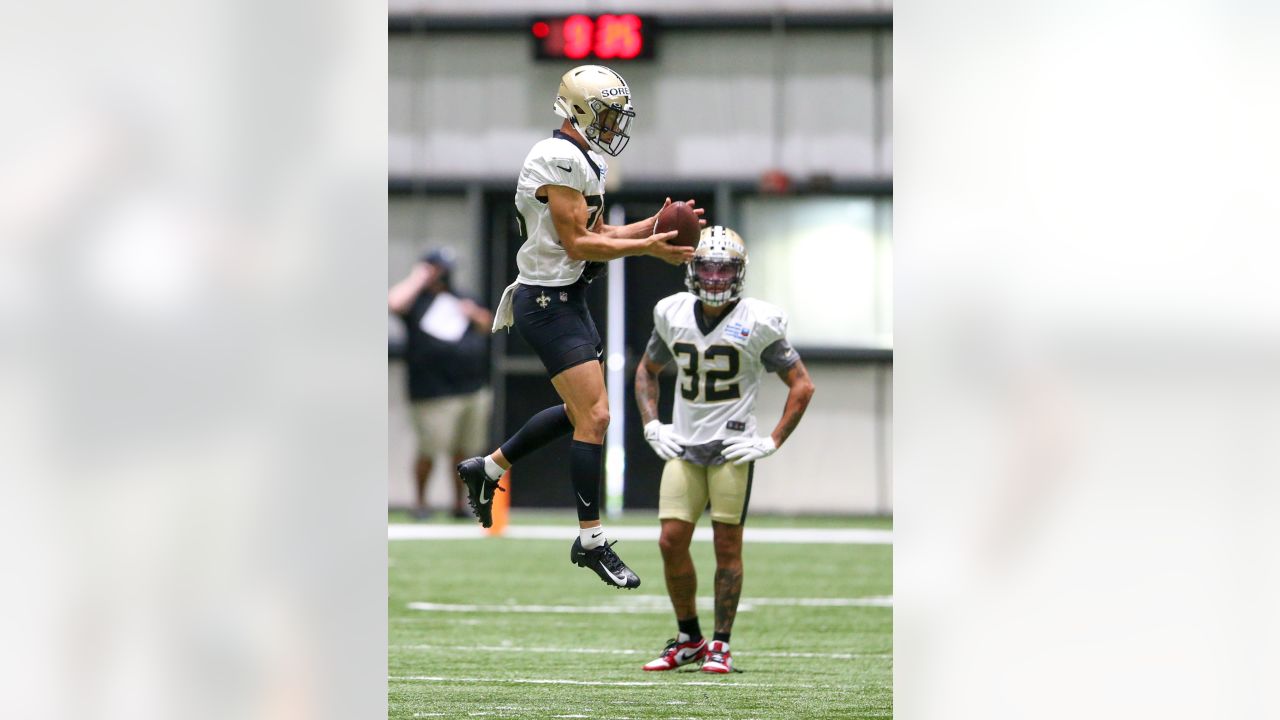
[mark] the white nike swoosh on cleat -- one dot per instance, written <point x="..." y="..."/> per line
<point x="483" y="499"/>
<point x="682" y="657"/>
<point x="584" y="502"/>
<point x="619" y="580"/>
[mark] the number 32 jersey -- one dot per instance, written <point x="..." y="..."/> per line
<point x="720" y="363"/>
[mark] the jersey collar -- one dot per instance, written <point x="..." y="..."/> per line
<point x="565" y="136"/>
<point x="705" y="324"/>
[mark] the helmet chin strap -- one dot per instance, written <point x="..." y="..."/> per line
<point x="591" y="134"/>
<point x="594" y="139"/>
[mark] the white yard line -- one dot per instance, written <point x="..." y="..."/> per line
<point x="648" y="605"/>
<point x="740" y="654"/>
<point x="821" y="536"/>
<point x="661" y="601"/>
<point x="561" y="609"/>
<point x="559" y="681"/>
<point x="823" y="602"/>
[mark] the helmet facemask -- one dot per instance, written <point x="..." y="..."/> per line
<point x="608" y="131"/>
<point x="715" y="281"/>
<point x="718" y="268"/>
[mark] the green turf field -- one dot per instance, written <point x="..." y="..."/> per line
<point x="639" y="518"/>
<point x="456" y="660"/>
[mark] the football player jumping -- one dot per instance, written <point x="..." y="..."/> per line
<point x="722" y="343"/>
<point x="560" y="203"/>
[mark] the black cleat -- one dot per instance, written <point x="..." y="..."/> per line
<point x="606" y="563"/>
<point x="479" y="488"/>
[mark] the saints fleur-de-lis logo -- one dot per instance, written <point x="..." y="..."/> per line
<point x="543" y="300"/>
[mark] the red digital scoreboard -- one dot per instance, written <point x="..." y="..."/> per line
<point x="592" y="37"/>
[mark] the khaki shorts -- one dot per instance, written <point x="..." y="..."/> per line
<point x="456" y="425"/>
<point x="686" y="487"/>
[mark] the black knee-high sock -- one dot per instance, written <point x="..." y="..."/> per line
<point x="689" y="626"/>
<point x="538" y="431"/>
<point x="585" y="468"/>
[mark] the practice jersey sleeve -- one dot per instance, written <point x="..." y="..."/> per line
<point x="779" y="356"/>
<point x="659" y="347"/>
<point x="554" y="169"/>
<point x="662" y="319"/>
<point x="776" y="353"/>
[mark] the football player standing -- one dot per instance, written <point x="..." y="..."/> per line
<point x="723" y="343"/>
<point x="560" y="202"/>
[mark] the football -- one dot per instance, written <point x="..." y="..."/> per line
<point x="679" y="216"/>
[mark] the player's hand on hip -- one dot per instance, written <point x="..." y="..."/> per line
<point x="745" y="449"/>
<point x="663" y="440"/>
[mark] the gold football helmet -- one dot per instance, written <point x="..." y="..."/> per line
<point x="598" y="103"/>
<point x="718" y="268"/>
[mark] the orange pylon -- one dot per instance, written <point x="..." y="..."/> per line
<point x="501" y="506"/>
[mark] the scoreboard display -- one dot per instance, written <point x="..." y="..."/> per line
<point x="593" y="37"/>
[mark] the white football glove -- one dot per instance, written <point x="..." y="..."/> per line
<point x="746" y="449"/>
<point x="663" y="440"/>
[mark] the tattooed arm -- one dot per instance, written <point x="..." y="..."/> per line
<point x="647" y="388"/>
<point x="801" y="390"/>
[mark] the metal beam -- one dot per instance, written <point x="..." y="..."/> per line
<point x="418" y="23"/>
<point x="402" y="185"/>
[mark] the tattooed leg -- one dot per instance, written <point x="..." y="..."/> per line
<point x="728" y="542"/>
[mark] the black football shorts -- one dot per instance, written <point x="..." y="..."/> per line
<point x="556" y="323"/>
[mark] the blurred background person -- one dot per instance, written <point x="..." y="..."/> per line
<point x="446" y="343"/>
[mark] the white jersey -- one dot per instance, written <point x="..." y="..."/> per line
<point x="719" y="366"/>
<point x="555" y="161"/>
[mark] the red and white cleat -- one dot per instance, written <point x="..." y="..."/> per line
<point x="677" y="653"/>
<point x="718" y="658"/>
